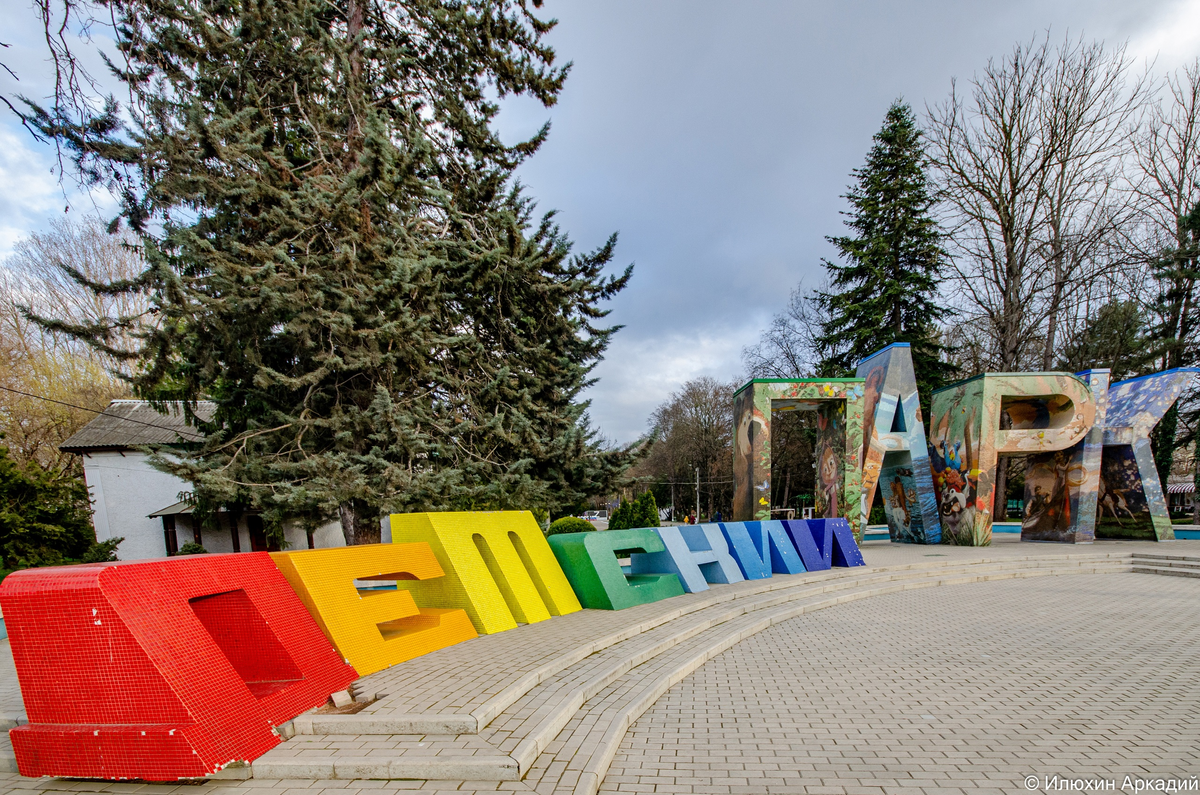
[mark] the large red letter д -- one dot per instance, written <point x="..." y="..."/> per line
<point x="161" y="669"/>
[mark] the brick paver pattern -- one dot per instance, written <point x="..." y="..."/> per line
<point x="965" y="688"/>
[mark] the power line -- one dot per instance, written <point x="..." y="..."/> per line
<point x="100" y="413"/>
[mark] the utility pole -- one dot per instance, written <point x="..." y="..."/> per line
<point x="697" y="495"/>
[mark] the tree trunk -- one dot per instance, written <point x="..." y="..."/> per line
<point x="354" y="26"/>
<point x="358" y="525"/>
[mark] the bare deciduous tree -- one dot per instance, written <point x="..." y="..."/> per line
<point x="1167" y="157"/>
<point x="1090" y="105"/>
<point x="694" y="430"/>
<point x="1030" y="178"/>
<point x="788" y="347"/>
<point x="52" y="384"/>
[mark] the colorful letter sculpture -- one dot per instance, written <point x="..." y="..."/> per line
<point x="762" y="548"/>
<point x="696" y="554"/>
<point x="895" y="453"/>
<point x="373" y="629"/>
<point x="1060" y="487"/>
<point x="163" y="669"/>
<point x="839" y="404"/>
<point x="823" y="543"/>
<point x="590" y="561"/>
<point x="1130" y="493"/>
<point x="497" y="563"/>
<point x="1048" y="412"/>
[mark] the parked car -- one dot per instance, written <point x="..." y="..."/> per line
<point x="595" y="516"/>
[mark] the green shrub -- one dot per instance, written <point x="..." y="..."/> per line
<point x="623" y="518"/>
<point x="102" y="551"/>
<point x="45" y="518"/>
<point x="569" y="524"/>
<point x="646" y="510"/>
<point x="192" y="548"/>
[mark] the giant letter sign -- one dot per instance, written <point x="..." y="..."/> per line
<point x="1048" y="411"/>
<point x="373" y="629"/>
<point x="697" y="555"/>
<point x="497" y="563"/>
<point x="895" y="453"/>
<point x="163" y="669"/>
<point x="762" y="549"/>
<point x="590" y="562"/>
<point x="838" y="403"/>
<point x="1060" y="487"/>
<point x="1132" y="504"/>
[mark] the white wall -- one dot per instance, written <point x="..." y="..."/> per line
<point x="125" y="489"/>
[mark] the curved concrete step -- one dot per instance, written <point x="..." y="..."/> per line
<point x="420" y="705"/>
<point x="596" y="731"/>
<point x="511" y="748"/>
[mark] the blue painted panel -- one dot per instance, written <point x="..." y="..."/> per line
<point x="813" y="540"/>
<point x="775" y="547"/>
<point x="845" y="550"/>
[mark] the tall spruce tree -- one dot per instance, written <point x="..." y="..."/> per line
<point x="339" y="257"/>
<point x="1177" y="272"/>
<point x="886" y="289"/>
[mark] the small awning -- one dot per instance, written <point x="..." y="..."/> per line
<point x="178" y="508"/>
<point x="1181" y="488"/>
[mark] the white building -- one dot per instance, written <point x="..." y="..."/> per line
<point x="149" y="508"/>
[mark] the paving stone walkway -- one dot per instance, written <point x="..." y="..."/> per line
<point x="966" y="688"/>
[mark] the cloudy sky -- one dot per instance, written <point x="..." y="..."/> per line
<point x="716" y="138"/>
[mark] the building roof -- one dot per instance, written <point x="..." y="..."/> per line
<point x="127" y="424"/>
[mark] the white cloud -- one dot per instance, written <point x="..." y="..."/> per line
<point x="638" y="374"/>
<point x="30" y="192"/>
<point x="1171" y="35"/>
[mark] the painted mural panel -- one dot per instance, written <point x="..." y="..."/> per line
<point x="1124" y="510"/>
<point x="840" y="406"/>
<point x="752" y="438"/>
<point x="954" y="462"/>
<point x="1046" y="412"/>
<point x="895" y="451"/>
<point x="1061" y="487"/>
<point x="830" y="451"/>
<point x="1132" y="503"/>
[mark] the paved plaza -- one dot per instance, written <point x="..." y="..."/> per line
<point x="931" y="669"/>
<point x="962" y="688"/>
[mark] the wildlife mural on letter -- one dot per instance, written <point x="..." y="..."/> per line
<point x="1044" y="411"/>
<point x="1061" y="487"/>
<point x="1131" y="498"/>
<point x="839" y="403"/>
<point x="895" y="452"/>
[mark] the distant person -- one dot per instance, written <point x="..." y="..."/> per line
<point x="691" y="517"/>
<point x="716" y="517"/>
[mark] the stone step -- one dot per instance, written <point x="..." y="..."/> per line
<point x="1166" y="570"/>
<point x="657" y="634"/>
<point x="465" y="757"/>
<point x="512" y="747"/>
<point x="1169" y="560"/>
<point x="595" y="732"/>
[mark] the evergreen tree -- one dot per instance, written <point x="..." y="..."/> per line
<point x="339" y="257"/>
<point x="886" y="290"/>
<point x="1177" y="271"/>
<point x="646" y="510"/>
<point x="624" y="517"/>
<point x="45" y="517"/>
<point x="1115" y="337"/>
